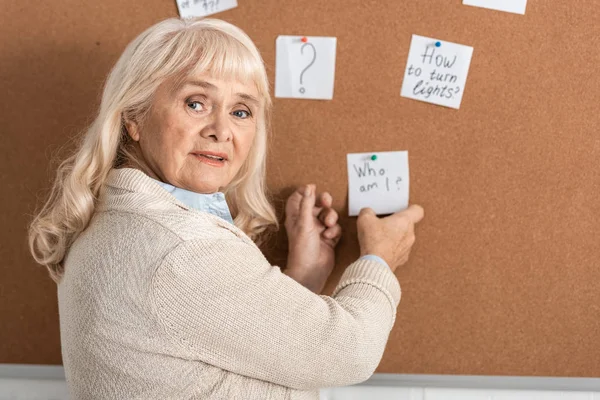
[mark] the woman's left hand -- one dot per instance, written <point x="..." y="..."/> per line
<point x="313" y="233"/>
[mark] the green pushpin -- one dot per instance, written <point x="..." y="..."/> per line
<point x="373" y="157"/>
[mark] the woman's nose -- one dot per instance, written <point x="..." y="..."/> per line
<point x="218" y="128"/>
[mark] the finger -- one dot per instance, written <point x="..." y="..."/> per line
<point x="328" y="217"/>
<point x="306" y="205"/>
<point x="365" y="217"/>
<point x="366" y="212"/>
<point x="324" y="200"/>
<point x="335" y="232"/>
<point x="293" y="202"/>
<point x="301" y="189"/>
<point x="332" y="235"/>
<point x="414" y="212"/>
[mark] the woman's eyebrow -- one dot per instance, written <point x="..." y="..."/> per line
<point x="210" y="86"/>
<point x="248" y="98"/>
<point x="202" y="84"/>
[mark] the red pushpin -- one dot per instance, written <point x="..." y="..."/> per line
<point x="304" y="39"/>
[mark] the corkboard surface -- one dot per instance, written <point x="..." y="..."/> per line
<point x="504" y="277"/>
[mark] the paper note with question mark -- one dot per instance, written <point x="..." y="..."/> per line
<point x="378" y="180"/>
<point x="436" y="71"/>
<point x="202" y="8"/>
<point x="305" y="67"/>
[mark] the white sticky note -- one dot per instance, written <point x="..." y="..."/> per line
<point x="436" y="71"/>
<point x="381" y="184"/>
<point x="513" y="6"/>
<point x="202" y="8"/>
<point x="305" y="70"/>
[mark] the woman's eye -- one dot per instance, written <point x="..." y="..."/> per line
<point x="195" y="105"/>
<point x="241" y="113"/>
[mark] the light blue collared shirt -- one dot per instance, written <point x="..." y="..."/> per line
<point x="213" y="203"/>
<point x="373" y="257"/>
<point x="216" y="204"/>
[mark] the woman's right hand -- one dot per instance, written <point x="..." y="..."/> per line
<point x="391" y="237"/>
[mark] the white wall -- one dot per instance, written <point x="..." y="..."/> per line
<point x="47" y="383"/>
<point x="33" y="389"/>
<point x="390" y="393"/>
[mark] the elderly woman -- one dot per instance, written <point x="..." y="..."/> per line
<point x="151" y="229"/>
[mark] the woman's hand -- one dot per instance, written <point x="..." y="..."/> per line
<point x="313" y="233"/>
<point x="391" y="237"/>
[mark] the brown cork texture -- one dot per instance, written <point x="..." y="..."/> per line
<point x="504" y="276"/>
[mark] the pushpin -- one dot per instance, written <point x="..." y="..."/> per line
<point x="304" y="39"/>
<point x="438" y="44"/>
<point x="373" y="157"/>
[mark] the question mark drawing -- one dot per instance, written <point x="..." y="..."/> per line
<point x="302" y="90"/>
<point x="398" y="180"/>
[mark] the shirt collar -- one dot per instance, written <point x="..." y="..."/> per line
<point x="213" y="203"/>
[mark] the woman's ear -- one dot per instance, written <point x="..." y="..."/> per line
<point x="133" y="129"/>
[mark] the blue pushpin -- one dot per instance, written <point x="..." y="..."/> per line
<point x="438" y="44"/>
<point x="373" y="157"/>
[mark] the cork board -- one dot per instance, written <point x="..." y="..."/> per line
<point x="504" y="276"/>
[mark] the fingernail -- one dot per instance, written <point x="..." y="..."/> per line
<point x="307" y="191"/>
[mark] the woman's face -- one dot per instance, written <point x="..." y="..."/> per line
<point x="197" y="136"/>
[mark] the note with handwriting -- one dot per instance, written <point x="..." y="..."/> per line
<point x="202" y="8"/>
<point x="436" y="71"/>
<point x="305" y="67"/>
<point x="513" y="6"/>
<point x="378" y="180"/>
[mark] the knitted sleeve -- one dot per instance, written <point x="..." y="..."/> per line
<point x="222" y="303"/>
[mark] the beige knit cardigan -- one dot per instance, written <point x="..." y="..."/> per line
<point x="161" y="301"/>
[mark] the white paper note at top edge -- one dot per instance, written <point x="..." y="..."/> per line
<point x="305" y="69"/>
<point x="202" y="8"/>
<point x="436" y="71"/>
<point x="513" y="6"/>
<point x="378" y="180"/>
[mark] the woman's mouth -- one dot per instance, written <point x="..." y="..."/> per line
<point x="212" y="159"/>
